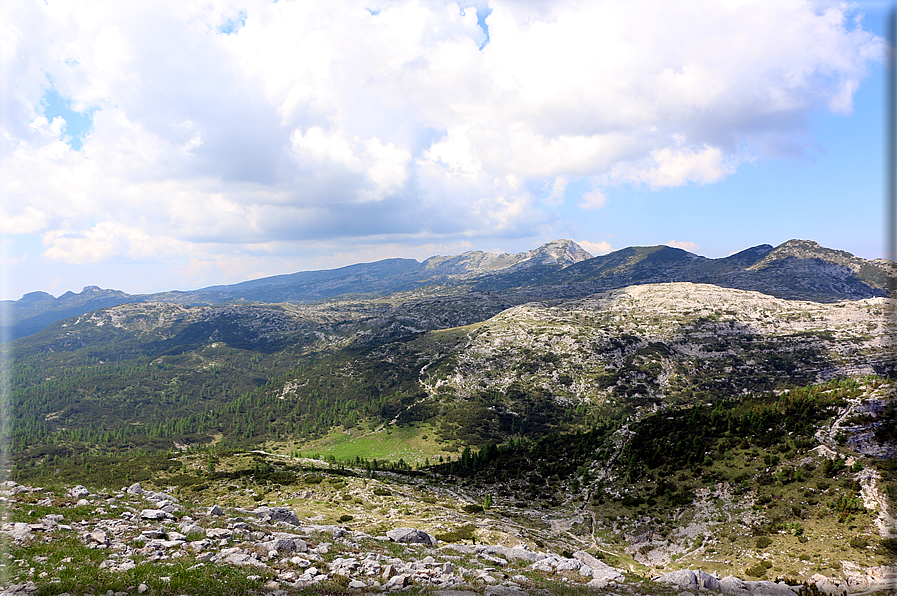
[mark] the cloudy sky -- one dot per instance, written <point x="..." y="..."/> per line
<point x="147" y="146"/>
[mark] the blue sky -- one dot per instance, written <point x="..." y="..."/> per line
<point x="262" y="138"/>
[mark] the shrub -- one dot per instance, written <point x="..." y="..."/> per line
<point x="763" y="541"/>
<point x="888" y="547"/>
<point x="759" y="569"/>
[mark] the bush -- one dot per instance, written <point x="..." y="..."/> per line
<point x="473" y="508"/>
<point x="859" y="542"/>
<point x="763" y="541"/>
<point x="888" y="546"/>
<point x="759" y="569"/>
<point x="345" y="518"/>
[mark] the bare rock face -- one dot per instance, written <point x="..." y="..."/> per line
<point x="411" y="536"/>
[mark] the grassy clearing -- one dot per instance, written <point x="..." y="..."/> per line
<point x="413" y="444"/>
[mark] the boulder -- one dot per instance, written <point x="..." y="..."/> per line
<point x="79" y="492"/>
<point x="734" y="586"/>
<point x="154" y="514"/>
<point x="690" y="579"/>
<point x="768" y="588"/>
<point x="504" y="591"/>
<point x="276" y="514"/>
<point x="287" y="545"/>
<point x="411" y="536"/>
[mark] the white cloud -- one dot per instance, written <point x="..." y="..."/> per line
<point x="675" y="167"/>
<point x="286" y="122"/>
<point x="684" y="245"/>
<point x="594" y="199"/>
<point x="557" y="191"/>
<point x="602" y="247"/>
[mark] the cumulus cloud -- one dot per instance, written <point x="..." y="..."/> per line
<point x="602" y="247"/>
<point x="593" y="199"/>
<point x="684" y="245"/>
<point x="290" y="122"/>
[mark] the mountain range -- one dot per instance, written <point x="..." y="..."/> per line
<point x="796" y="269"/>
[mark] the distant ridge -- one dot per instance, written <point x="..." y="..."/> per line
<point x="796" y="269"/>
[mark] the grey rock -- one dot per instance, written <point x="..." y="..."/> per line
<point x="768" y="588"/>
<point x="79" y="492"/>
<point x="215" y="510"/>
<point x="154" y="514"/>
<point x="734" y="586"/>
<point x="99" y="536"/>
<point x="599" y="569"/>
<point x="397" y="581"/>
<point x="357" y="585"/>
<point x="135" y="489"/>
<point x="335" y="531"/>
<point x="688" y="578"/>
<point x="276" y="514"/>
<point x="218" y="533"/>
<point x="411" y="536"/>
<point x="287" y="545"/>
<point x="504" y="591"/>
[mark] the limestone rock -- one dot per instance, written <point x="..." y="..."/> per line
<point x="276" y="514"/>
<point x="411" y="536"/>
<point x="504" y="591"/>
<point x="79" y="492"/>
<point x="154" y="514"/>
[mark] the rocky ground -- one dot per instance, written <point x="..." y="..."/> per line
<point x="135" y="541"/>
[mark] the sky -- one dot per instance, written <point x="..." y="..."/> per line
<point x="150" y="146"/>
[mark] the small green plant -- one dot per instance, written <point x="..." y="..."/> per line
<point x="763" y="541"/>
<point x="859" y="542"/>
<point x="487" y="502"/>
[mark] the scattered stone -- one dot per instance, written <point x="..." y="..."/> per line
<point x="215" y="510"/>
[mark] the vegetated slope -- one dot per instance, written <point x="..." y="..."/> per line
<point x="152" y="375"/>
